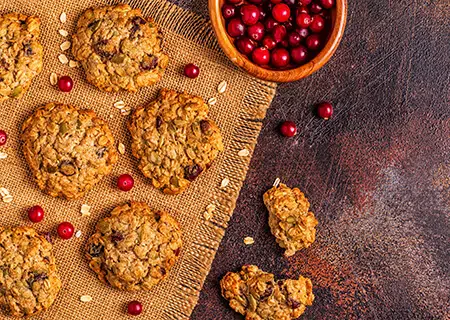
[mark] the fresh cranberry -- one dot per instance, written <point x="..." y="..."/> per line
<point x="280" y="57"/>
<point x="276" y="1"/>
<point x="3" y="138"/>
<point x="134" y="308"/>
<point x="288" y="129"/>
<point x="255" y="1"/>
<point x="281" y="12"/>
<point x="302" y="9"/>
<point x="125" y="182"/>
<point x="290" y="2"/>
<point x="288" y="24"/>
<point x="303" y="20"/>
<point x="234" y="1"/>
<point x="284" y="43"/>
<point x="315" y="7"/>
<point x="317" y="23"/>
<point x="236" y="28"/>
<point x="262" y="13"/>
<point x="269" y="42"/>
<point x="36" y="214"/>
<point x="191" y="71"/>
<point x="65" y="230"/>
<point x="324" y="110"/>
<point x="270" y="23"/>
<point x="249" y="14"/>
<point x="299" y="54"/>
<point x="261" y="56"/>
<point x="304" y="2"/>
<point x="313" y="42"/>
<point x="65" y="84"/>
<point x="256" y="31"/>
<point x="279" y="33"/>
<point x="303" y="32"/>
<point x="294" y="39"/>
<point x="228" y="11"/>
<point x="245" y="45"/>
<point x="327" y="4"/>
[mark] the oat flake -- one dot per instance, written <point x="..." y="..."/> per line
<point x="65" y="45"/>
<point x="243" y="153"/>
<point x="63" y="59"/>
<point x="3" y="191"/>
<point x="224" y="183"/>
<point x="73" y="64"/>
<point x="63" y="17"/>
<point x="86" y="298"/>
<point x="3" y="155"/>
<point x="212" y="101"/>
<point x="276" y="183"/>
<point x="119" y="104"/>
<point x="78" y="234"/>
<point x="64" y="33"/>
<point x="85" y="210"/>
<point x="8" y="198"/>
<point x="222" y="87"/>
<point x="249" y="240"/>
<point x="121" y="148"/>
<point x="53" y="79"/>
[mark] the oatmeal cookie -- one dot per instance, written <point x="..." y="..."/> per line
<point x="290" y="220"/>
<point x="69" y="150"/>
<point x="29" y="282"/>
<point x="258" y="296"/>
<point x="135" y="247"/>
<point x="174" y="140"/>
<point x="118" y="48"/>
<point x="20" y="54"/>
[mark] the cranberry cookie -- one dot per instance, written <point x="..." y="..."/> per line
<point x="118" y="48"/>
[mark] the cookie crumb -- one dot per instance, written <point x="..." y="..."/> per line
<point x="85" y="210"/>
<point x="249" y="241"/>
<point x="243" y="153"/>
<point x="86" y="298"/>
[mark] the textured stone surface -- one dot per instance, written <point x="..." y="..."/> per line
<point x="376" y="174"/>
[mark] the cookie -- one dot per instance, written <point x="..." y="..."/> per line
<point x="29" y="282"/>
<point x="134" y="248"/>
<point x="290" y="220"/>
<point x="118" y="48"/>
<point x="20" y="54"/>
<point x="68" y="150"/>
<point x="258" y="296"/>
<point x="174" y="140"/>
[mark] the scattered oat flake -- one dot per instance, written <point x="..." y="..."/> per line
<point x="249" y="240"/>
<point x="212" y="101"/>
<point x="121" y="148"/>
<point x="64" y="33"/>
<point x="119" y="104"/>
<point x="243" y="153"/>
<point x="111" y="116"/>
<point x="85" y="210"/>
<point x="73" y="64"/>
<point x="65" y="45"/>
<point x="7" y="198"/>
<point x="276" y="183"/>
<point x="125" y="112"/>
<point x="63" y="17"/>
<point x="222" y="87"/>
<point x="78" y="234"/>
<point x="3" y="155"/>
<point x="63" y="59"/>
<point x="53" y="79"/>
<point x="3" y="191"/>
<point x="86" y="298"/>
<point x="207" y="215"/>
<point x="224" y="183"/>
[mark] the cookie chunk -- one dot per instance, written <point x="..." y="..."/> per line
<point x="29" y="282"/>
<point x="69" y="150"/>
<point x="174" y="140"/>
<point x="258" y="296"/>
<point x="118" y="48"/>
<point x="20" y="54"/>
<point x="290" y="220"/>
<point x="135" y="247"/>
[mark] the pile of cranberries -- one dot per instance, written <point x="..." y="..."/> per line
<point x="278" y="34"/>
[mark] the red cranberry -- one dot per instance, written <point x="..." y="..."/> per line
<point x="3" y="138"/>
<point x="36" y="214"/>
<point x="65" y="84"/>
<point x="228" y="11"/>
<point x="262" y="13"/>
<point x="245" y="45"/>
<point x="324" y="110"/>
<point x="236" y="28"/>
<point x="294" y="39"/>
<point x="65" y="230"/>
<point x="288" y="24"/>
<point x="313" y="42"/>
<point x="276" y="1"/>
<point x="134" y="308"/>
<point x="327" y="4"/>
<point x="249" y="14"/>
<point x="234" y="1"/>
<point x="304" y="2"/>
<point x="299" y="54"/>
<point x="303" y="20"/>
<point x="256" y="31"/>
<point x="302" y="9"/>
<point x="279" y="33"/>
<point x="290" y="2"/>
<point x="269" y="42"/>
<point x="288" y="129"/>
<point x="281" y="12"/>
<point x="191" y="71"/>
<point x="255" y="1"/>
<point x="270" y="23"/>
<point x="261" y="56"/>
<point x="125" y="182"/>
<point x="280" y="57"/>
<point x="303" y="32"/>
<point x="317" y="24"/>
<point x="315" y="7"/>
<point x="284" y="43"/>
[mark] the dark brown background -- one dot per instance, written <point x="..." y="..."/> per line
<point x="377" y="174"/>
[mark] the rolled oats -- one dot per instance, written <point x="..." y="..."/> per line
<point x="3" y="155"/>
<point x="85" y="210"/>
<point x="121" y="148"/>
<point x="222" y="87"/>
<point x="64" y="33"/>
<point x="78" y="234"/>
<point x="224" y="183"/>
<point x="86" y="298"/>
<point x="63" y="58"/>
<point x="243" y="153"/>
<point x="63" y="17"/>
<point x="212" y="101"/>
<point x="73" y="64"/>
<point x="53" y="79"/>
<point x="8" y="198"/>
<point x="65" y="45"/>
<point x="249" y="240"/>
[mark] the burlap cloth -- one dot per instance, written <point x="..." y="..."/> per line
<point x="239" y="111"/>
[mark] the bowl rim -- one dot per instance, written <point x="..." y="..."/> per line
<point x="340" y="20"/>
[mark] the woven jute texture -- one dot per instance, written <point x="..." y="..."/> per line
<point x="238" y="112"/>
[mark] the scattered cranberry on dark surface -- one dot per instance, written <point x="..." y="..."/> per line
<point x="3" y="137"/>
<point x="228" y="11"/>
<point x="236" y="28"/>
<point x="269" y="42"/>
<point x="65" y="84"/>
<point x="317" y="23"/>
<point x="256" y="31"/>
<point x="245" y="45"/>
<point x="261" y="56"/>
<point x="65" y="230"/>
<point x="249" y="14"/>
<point x="313" y="42"/>
<point x="280" y="57"/>
<point x="299" y="54"/>
<point x="327" y="4"/>
<point x="125" y="182"/>
<point x="36" y="214"/>
<point x="288" y="129"/>
<point x="324" y="110"/>
<point x="134" y="308"/>
<point x="281" y="12"/>
<point x="191" y="71"/>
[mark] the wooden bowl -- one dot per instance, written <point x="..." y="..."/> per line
<point x="338" y="18"/>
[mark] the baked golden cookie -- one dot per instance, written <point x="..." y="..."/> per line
<point x="174" y="140"/>
<point x="20" y="54"/>
<point x="135" y="247"/>
<point x="118" y="48"/>
<point x="68" y="150"/>
<point x="29" y="282"/>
